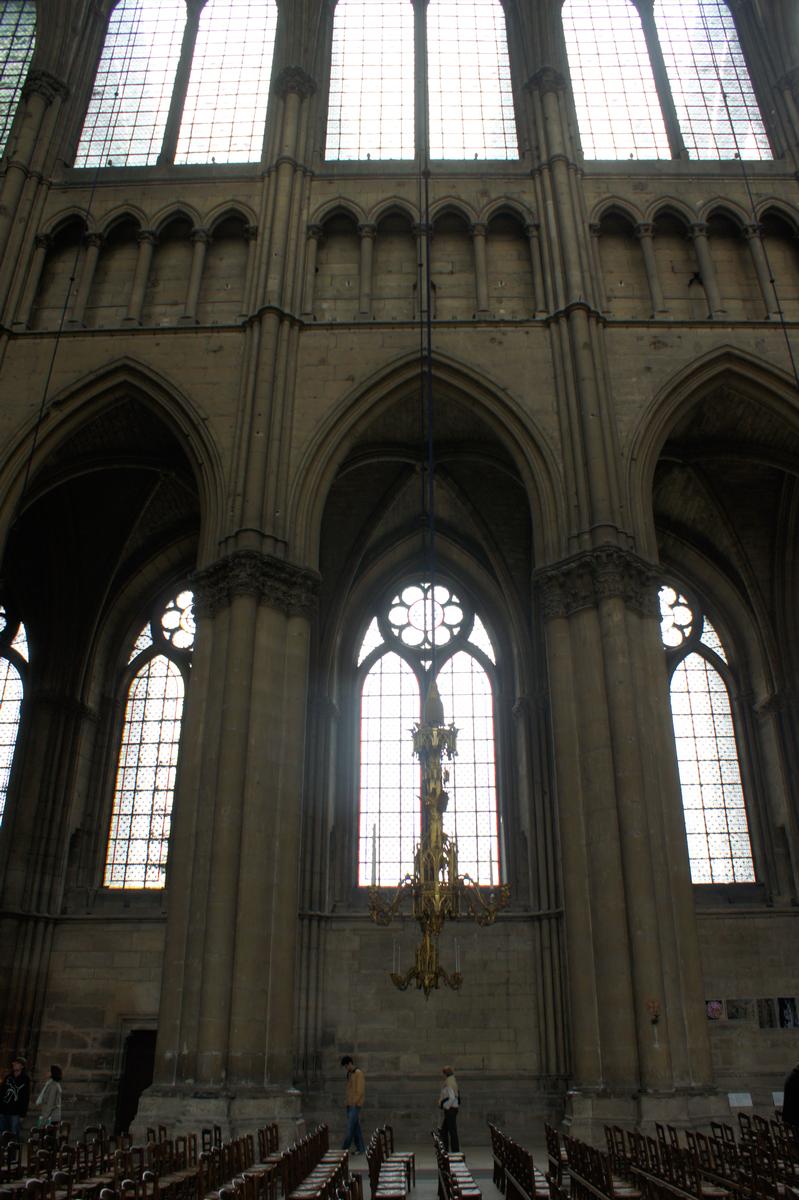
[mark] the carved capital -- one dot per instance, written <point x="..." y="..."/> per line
<point x="43" y="241"/>
<point x="315" y="232"/>
<point x="42" y="83"/>
<point x="595" y="575"/>
<point x="547" y="79"/>
<point x="278" y="584"/>
<point x="294" y="79"/>
<point x="250" y="233"/>
<point x="698" y="229"/>
<point x="790" y="81"/>
<point x="93" y="239"/>
<point x="595" y="229"/>
<point x="422" y="228"/>
<point x="477" y="229"/>
<point x="644" y="229"/>
<point x="532" y="229"/>
<point x="201" y="235"/>
<point x="147" y="236"/>
<point x="367" y="231"/>
<point x="753" y="230"/>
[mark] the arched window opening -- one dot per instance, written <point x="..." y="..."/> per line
<point x="370" y="108"/>
<point x="129" y="106"/>
<point x="138" y="840"/>
<point x="703" y="103"/>
<point x="225" y="109"/>
<point x="396" y="658"/>
<point x="13" y="661"/>
<point x="463" y="49"/>
<point x="470" y="94"/>
<point x="618" y="111"/>
<point x="713" y="94"/>
<point x="17" y="40"/>
<point x="716" y="826"/>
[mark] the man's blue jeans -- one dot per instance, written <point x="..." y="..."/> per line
<point x="10" y="1122"/>
<point x="353" y="1129"/>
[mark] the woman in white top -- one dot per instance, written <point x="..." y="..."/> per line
<point x="49" y="1099"/>
<point x="449" y="1101"/>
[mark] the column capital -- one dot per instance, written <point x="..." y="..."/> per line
<point x="250" y="233"/>
<point x="753" y="229"/>
<point x="315" y="232"/>
<point x="420" y="228"/>
<point x="532" y="229"/>
<point x="698" y="229"/>
<point x="294" y="79"/>
<point x="93" y="239"/>
<point x="43" y="241"/>
<point x="595" y="228"/>
<point x="790" y="81"/>
<point x="644" y="229"/>
<point x="585" y="579"/>
<point x="366" y="230"/>
<point x="198" y="234"/>
<point x="477" y="229"/>
<point x="272" y="581"/>
<point x="147" y="236"/>
<point x="42" y="83"/>
<point x="546" y="79"/>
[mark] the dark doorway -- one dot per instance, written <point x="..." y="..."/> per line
<point x="138" y="1061"/>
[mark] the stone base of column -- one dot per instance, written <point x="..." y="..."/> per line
<point x="587" y="1112"/>
<point x="236" y="1111"/>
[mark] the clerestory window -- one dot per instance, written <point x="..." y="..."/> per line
<point x="178" y="83"/>
<point x="17" y="39"/>
<point x="158" y="670"/>
<point x="662" y="80"/>
<point x="716" y="825"/>
<point x="423" y="631"/>
<point x="13" y="664"/>
<point x="465" y="93"/>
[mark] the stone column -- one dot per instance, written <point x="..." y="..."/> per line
<point x="313" y="237"/>
<point x="424" y="298"/>
<point x="754" y="239"/>
<point x="181" y="84"/>
<point x="201" y="239"/>
<point x="644" y="234"/>
<point x="147" y="240"/>
<point x="367" y="235"/>
<point x="93" y="243"/>
<point x="234" y="870"/>
<point x="478" y="232"/>
<point x="595" y="229"/>
<point x="661" y="77"/>
<point x="533" y="231"/>
<point x="251" y="237"/>
<point x="41" y="245"/>
<point x="707" y="271"/>
<point x="41" y="89"/>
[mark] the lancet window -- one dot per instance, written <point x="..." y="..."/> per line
<point x="17" y="38"/>
<point x="372" y="110"/>
<point x="716" y="824"/>
<point x="178" y="83"/>
<point x="662" y="80"/>
<point x="13" y="664"/>
<point x="157" y="673"/>
<point x="425" y="631"/>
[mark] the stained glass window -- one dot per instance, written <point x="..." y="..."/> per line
<point x="423" y="630"/>
<point x="13" y="658"/>
<point x="716" y="825"/>
<point x="225" y="110"/>
<point x="138" y="841"/>
<point x="17" y="36"/>
<point x="620" y="101"/>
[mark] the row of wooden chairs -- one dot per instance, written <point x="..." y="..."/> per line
<point x="389" y="1172"/>
<point x="515" y="1173"/>
<point x="455" y="1180"/>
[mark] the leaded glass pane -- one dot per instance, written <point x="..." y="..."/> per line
<point x="676" y="617"/>
<point x="471" y="817"/>
<point x="371" y="104"/>
<point x="715" y="818"/>
<point x="138" y="842"/>
<point x="390" y="784"/>
<point x="17" y="38"/>
<point x="372" y="639"/>
<point x="479" y="637"/>
<point x="469" y="84"/>
<point x="225" y="109"/>
<point x="128" y="109"/>
<point x="618" y="111"/>
<point x="10" y="705"/>
<point x="716" y="106"/>
<point x="712" y="640"/>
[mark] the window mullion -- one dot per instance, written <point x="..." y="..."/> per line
<point x="421" y="104"/>
<point x="181" y="85"/>
<point x="646" y="11"/>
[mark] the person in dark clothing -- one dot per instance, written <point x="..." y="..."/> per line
<point x="449" y="1101"/>
<point x="15" y="1095"/>
<point x="790" y="1103"/>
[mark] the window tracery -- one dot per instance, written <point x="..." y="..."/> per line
<point x="158" y="667"/>
<point x="716" y="825"/>
<point x="422" y="631"/>
<point x="13" y="663"/>
<point x="662" y="81"/>
<point x="17" y="39"/>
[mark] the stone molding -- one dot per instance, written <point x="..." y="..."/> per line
<point x="294" y="79"/>
<point x="42" y="83"/>
<point x="547" y="79"/>
<point x="585" y="579"/>
<point x="290" y="589"/>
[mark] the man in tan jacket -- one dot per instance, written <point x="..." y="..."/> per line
<point x="355" y="1095"/>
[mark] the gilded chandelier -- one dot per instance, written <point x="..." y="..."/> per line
<point x="436" y="889"/>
